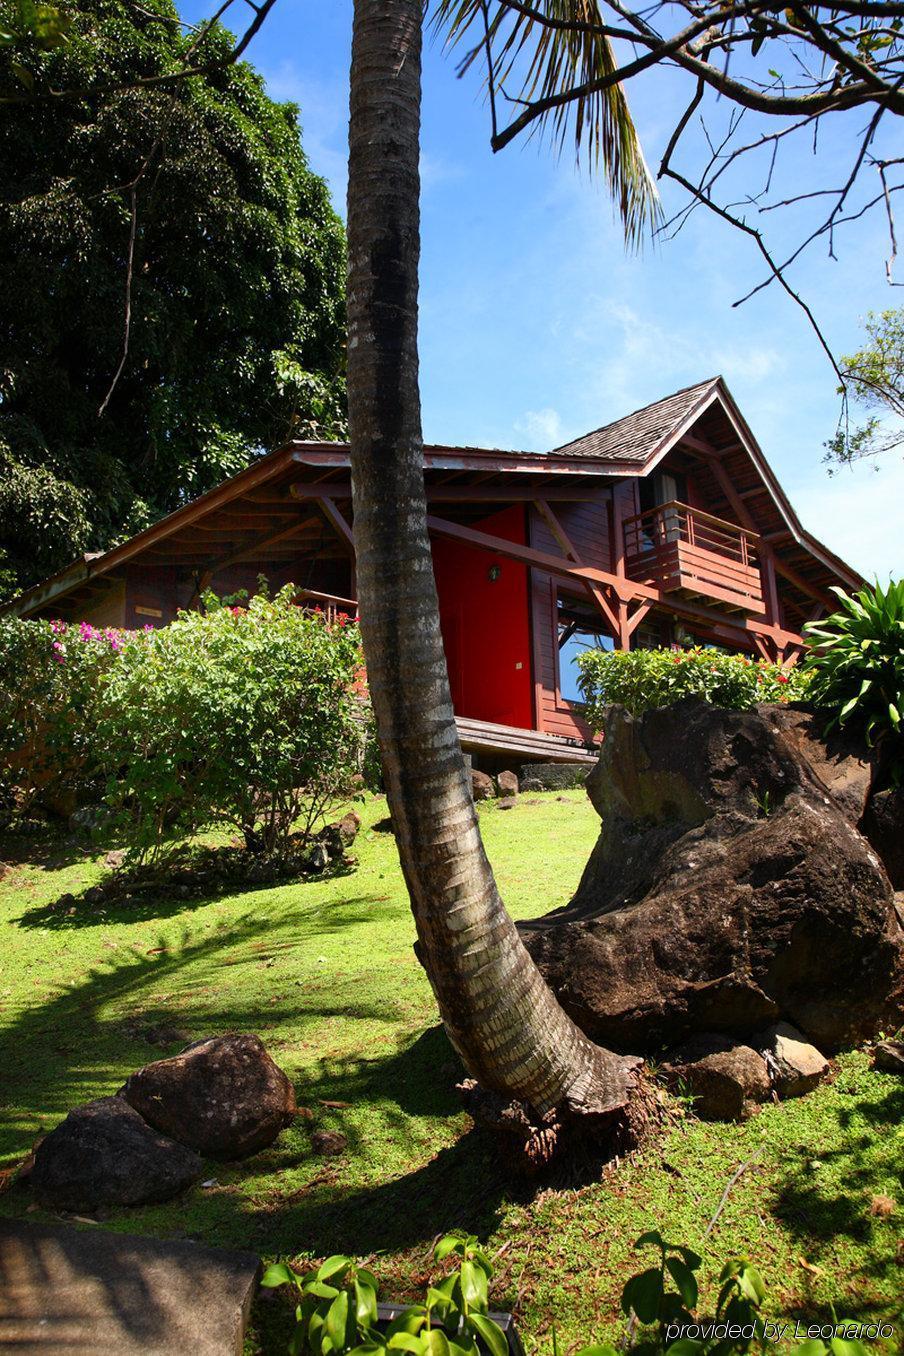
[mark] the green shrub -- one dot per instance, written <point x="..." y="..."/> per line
<point x="643" y="679"/>
<point x="50" y="676"/>
<point x="249" y="717"/>
<point x="857" y="662"/>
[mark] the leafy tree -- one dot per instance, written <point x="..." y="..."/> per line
<point x="176" y="301"/>
<point x="875" y="380"/>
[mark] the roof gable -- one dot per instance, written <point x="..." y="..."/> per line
<point x="637" y="437"/>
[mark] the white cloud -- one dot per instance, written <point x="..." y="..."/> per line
<point x="539" y="430"/>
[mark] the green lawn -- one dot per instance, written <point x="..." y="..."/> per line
<point x="324" y="972"/>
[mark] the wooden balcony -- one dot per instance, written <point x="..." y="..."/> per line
<point x="680" y="550"/>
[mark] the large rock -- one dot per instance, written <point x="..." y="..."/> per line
<point x="795" y="1066"/>
<point x="224" y="1096"/>
<point x="105" y="1154"/>
<point x="725" y="1080"/>
<point x="727" y="892"/>
<point x="507" y="783"/>
<point x="889" y="1056"/>
<point x="482" y="786"/>
<point x="883" y="824"/>
<point x="840" y="762"/>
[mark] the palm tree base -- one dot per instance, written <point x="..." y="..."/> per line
<point x="531" y="1143"/>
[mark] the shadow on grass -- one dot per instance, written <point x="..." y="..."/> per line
<point x="826" y="1198"/>
<point x="82" y="1041"/>
<point x="48" y="847"/>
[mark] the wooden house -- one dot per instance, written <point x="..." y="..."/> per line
<point x="667" y="525"/>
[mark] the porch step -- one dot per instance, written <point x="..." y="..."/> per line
<point x="486" y="737"/>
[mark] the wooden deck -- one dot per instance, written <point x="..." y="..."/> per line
<point x="481" y="736"/>
<point x="681" y="550"/>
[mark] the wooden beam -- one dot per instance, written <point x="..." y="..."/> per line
<point x="258" y="543"/>
<point x="543" y="560"/>
<point x="557" y="529"/>
<point x="442" y="493"/>
<point x="599" y="597"/>
<point x="811" y="590"/>
<point x="337" y="522"/>
<point x="637" y="616"/>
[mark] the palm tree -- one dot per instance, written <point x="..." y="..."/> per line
<point x="513" y="1036"/>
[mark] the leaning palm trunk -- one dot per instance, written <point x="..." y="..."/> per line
<point x="509" y="1029"/>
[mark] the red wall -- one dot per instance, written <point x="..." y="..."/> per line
<point x="485" y="625"/>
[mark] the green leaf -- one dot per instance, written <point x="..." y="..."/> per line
<point x="365" y="1304"/>
<point x="643" y="1294"/>
<point x="445" y="1246"/>
<point x="492" y="1335"/>
<point x="436" y="1343"/>
<point x="337" y="1321"/>
<point x="684" y="1279"/>
<point x="473" y="1285"/>
<point x="332" y="1266"/>
<point x="279" y="1274"/>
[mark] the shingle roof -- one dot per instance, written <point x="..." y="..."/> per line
<point x="636" y="437"/>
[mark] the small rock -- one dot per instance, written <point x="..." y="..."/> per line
<point x="507" y="783"/>
<point x="223" y="1096"/>
<point x="105" y="1153"/>
<point x="482" y="786"/>
<point x="319" y="858"/>
<point x="726" y="1080"/>
<point x="531" y="784"/>
<point x="383" y="825"/>
<point x="87" y="818"/>
<point x="795" y="1066"/>
<point x="349" y="825"/>
<point x="114" y="860"/>
<point x="889" y="1056"/>
<point x="507" y="803"/>
<point x="328" y="1143"/>
<point x="5" y="869"/>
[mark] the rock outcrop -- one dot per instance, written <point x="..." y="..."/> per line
<point x="223" y="1097"/>
<point x="105" y="1154"/>
<point x="727" y="891"/>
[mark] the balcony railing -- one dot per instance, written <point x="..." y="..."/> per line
<point x="674" y="547"/>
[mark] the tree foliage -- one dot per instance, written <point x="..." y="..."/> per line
<point x="875" y="380"/>
<point x="857" y="664"/>
<point x="176" y="303"/>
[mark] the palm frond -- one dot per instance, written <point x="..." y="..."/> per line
<point x="554" y="52"/>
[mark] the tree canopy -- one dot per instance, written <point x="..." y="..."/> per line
<point x="177" y="300"/>
<point x="875" y="378"/>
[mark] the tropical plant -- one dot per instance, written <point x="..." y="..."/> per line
<point x="642" y="679"/>
<point x="857" y="663"/>
<point x="247" y="717"/>
<point x="176" y="301"/>
<point x="338" y="1314"/>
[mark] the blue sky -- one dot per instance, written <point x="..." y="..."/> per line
<point x="536" y="325"/>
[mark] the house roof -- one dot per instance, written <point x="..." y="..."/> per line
<point x="629" y="447"/>
<point x="637" y="437"/>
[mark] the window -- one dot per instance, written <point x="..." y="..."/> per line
<point x="580" y="628"/>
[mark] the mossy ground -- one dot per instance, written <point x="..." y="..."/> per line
<point x="324" y="972"/>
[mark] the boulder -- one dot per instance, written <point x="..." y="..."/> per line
<point x="883" y="824"/>
<point x="725" y="1080"/>
<point x="507" y="783"/>
<point x="105" y="1154"/>
<point x="726" y="892"/>
<point x="889" y="1056"/>
<point x="840" y="762"/>
<point x="223" y="1096"/>
<point x="482" y="786"/>
<point x="795" y="1066"/>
